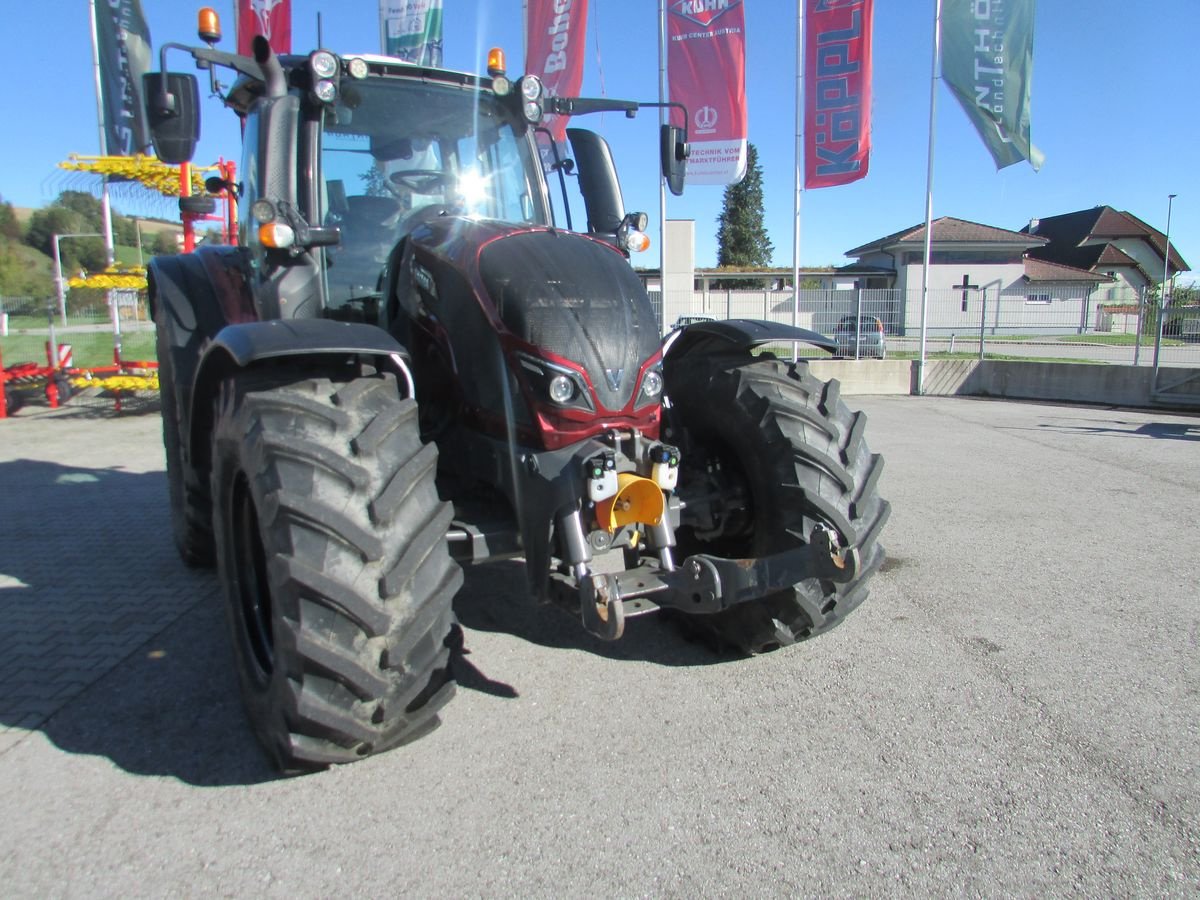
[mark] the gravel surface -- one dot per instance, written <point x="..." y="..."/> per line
<point x="1015" y="710"/>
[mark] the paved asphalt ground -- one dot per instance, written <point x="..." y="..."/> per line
<point x="1015" y="711"/>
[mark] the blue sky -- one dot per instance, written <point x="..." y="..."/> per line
<point x="1114" y="93"/>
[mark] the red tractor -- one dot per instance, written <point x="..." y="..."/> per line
<point x="405" y="366"/>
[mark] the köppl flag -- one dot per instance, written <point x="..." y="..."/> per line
<point x="554" y="40"/>
<point x="412" y="30"/>
<point x="837" y="91"/>
<point x="987" y="61"/>
<point x="270" y="18"/>
<point x="123" y="47"/>
<point x="706" y="72"/>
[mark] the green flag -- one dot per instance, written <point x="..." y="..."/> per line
<point x="987" y="61"/>
<point x="412" y="30"/>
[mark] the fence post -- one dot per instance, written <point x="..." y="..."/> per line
<point x="857" y="322"/>
<point x="1137" y="338"/>
<point x="982" y="319"/>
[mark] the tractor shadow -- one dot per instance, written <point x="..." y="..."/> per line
<point x="495" y="598"/>
<point x="108" y="644"/>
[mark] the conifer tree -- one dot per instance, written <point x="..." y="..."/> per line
<point x="742" y="239"/>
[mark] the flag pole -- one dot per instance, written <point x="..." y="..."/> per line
<point x="105" y="206"/>
<point x="662" y="184"/>
<point x="799" y="164"/>
<point x="937" y="53"/>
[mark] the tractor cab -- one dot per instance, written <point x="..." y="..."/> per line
<point x="395" y="153"/>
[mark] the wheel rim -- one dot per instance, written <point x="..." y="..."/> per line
<point x="253" y="587"/>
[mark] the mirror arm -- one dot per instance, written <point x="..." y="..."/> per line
<point x="562" y="167"/>
<point x="205" y="58"/>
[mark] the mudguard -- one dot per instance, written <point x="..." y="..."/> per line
<point x="192" y="297"/>
<point x="738" y="334"/>
<point x="247" y="344"/>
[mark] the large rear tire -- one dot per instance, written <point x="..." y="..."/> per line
<point x="770" y="453"/>
<point x="190" y="501"/>
<point x="332" y="552"/>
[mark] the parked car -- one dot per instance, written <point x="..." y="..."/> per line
<point x="683" y="321"/>
<point x="869" y="342"/>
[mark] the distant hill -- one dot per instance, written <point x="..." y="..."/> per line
<point x="25" y="272"/>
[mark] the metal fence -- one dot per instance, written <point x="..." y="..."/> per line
<point x="1107" y="325"/>
<point x="91" y="328"/>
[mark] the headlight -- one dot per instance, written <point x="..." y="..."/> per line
<point x="561" y="389"/>
<point x="263" y="210"/>
<point x="531" y="87"/>
<point x="325" y="91"/>
<point x="533" y="112"/>
<point x="652" y="384"/>
<point x="357" y="67"/>
<point x="323" y="64"/>
<point x="556" y="384"/>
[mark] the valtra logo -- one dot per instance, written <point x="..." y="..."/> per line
<point x="702" y="12"/>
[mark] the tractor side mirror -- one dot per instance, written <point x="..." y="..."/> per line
<point x="597" y="181"/>
<point x="673" y="149"/>
<point x="173" y="111"/>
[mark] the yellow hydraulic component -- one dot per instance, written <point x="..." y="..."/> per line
<point x="117" y="383"/>
<point x="112" y="278"/>
<point x="637" y="500"/>
<point x="146" y="170"/>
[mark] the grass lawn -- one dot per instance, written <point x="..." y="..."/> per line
<point x="93" y="349"/>
<point x="1117" y="340"/>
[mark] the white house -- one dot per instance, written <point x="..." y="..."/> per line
<point x="1108" y="242"/>
<point x="980" y="276"/>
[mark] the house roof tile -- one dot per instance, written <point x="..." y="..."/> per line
<point x="1101" y="223"/>
<point x="949" y="230"/>
<point x="1041" y="270"/>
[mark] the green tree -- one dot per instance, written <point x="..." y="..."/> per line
<point x="89" y="208"/>
<point x="742" y="240"/>
<point x="124" y="230"/>
<point x="164" y="243"/>
<point x="73" y="212"/>
<point x="10" y="228"/>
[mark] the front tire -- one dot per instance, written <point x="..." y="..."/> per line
<point x="773" y="453"/>
<point x="188" y="494"/>
<point x="332" y="553"/>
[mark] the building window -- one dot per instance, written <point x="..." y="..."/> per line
<point x="1037" y="299"/>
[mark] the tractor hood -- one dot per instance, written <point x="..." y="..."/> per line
<point x="574" y="298"/>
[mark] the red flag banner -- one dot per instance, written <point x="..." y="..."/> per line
<point x="555" y="34"/>
<point x="706" y="72"/>
<point x="837" y="91"/>
<point x="270" y="18"/>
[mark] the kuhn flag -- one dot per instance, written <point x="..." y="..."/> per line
<point x="412" y="30"/>
<point x="987" y="61"/>
<point x="554" y="40"/>
<point x="123" y="48"/>
<point x="706" y="72"/>
<point x="270" y="18"/>
<point x="837" y="91"/>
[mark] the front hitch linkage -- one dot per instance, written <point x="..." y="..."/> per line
<point x="709" y="584"/>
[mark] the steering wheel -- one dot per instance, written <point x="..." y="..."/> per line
<point x="420" y="181"/>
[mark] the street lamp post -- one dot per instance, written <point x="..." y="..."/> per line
<point x="58" y="276"/>
<point x="1162" y="298"/>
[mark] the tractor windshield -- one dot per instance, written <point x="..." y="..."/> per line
<point x="399" y="152"/>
